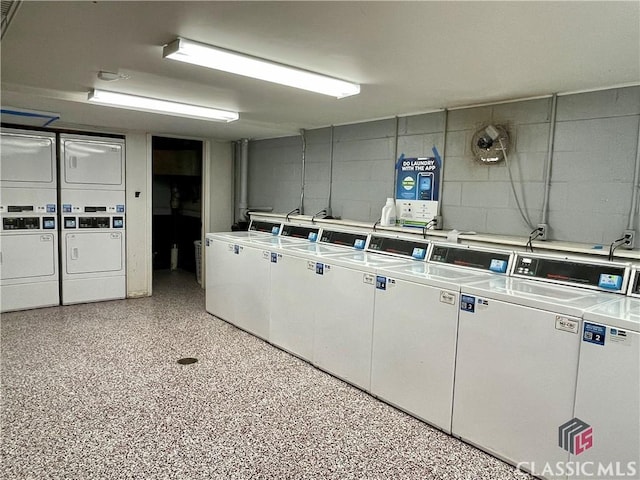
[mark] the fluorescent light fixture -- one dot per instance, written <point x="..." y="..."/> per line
<point x="226" y="60"/>
<point x="154" y="105"/>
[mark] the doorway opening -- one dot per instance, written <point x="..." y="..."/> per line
<point x="177" y="205"/>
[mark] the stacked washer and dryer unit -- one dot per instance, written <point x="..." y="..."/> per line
<point x="63" y="228"/>
<point x="92" y="201"/>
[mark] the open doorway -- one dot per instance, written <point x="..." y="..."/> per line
<point x="177" y="204"/>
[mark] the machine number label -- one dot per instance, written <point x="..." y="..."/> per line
<point x="207" y="243"/>
<point x="468" y="303"/>
<point x="593" y="333"/>
<point x="236" y="249"/>
<point x="274" y="257"/>
<point x="381" y="282"/>
<point x="319" y="268"/>
<point x="567" y="325"/>
<point x="447" y="297"/>
<point x="369" y="279"/>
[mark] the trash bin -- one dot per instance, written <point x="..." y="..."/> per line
<point x="198" y="249"/>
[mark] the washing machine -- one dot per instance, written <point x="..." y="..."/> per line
<point x="239" y="287"/>
<point x="517" y="355"/>
<point x="415" y="327"/>
<point x="257" y="228"/>
<point x="293" y="288"/>
<point x="93" y="247"/>
<point x="608" y="389"/>
<point x="223" y="277"/>
<point x="29" y="275"/>
<point x="344" y="301"/>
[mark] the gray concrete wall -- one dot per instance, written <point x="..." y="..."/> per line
<point x="596" y="139"/>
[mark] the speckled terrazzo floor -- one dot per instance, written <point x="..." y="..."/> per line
<point x="94" y="392"/>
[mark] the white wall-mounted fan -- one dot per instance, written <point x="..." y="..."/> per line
<point x="489" y="144"/>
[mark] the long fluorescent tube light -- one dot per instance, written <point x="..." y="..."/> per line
<point x="154" y="105"/>
<point x="226" y="60"/>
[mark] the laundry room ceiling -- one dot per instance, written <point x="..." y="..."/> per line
<point x="408" y="57"/>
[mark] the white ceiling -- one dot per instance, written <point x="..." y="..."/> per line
<point x="409" y="57"/>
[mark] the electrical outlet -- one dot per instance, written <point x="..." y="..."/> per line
<point x="629" y="239"/>
<point x="543" y="230"/>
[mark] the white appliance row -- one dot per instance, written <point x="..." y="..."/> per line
<point x="489" y="357"/>
<point x="63" y="229"/>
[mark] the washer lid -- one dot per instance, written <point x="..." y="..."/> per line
<point x="555" y="298"/>
<point x="434" y="275"/>
<point x="621" y="312"/>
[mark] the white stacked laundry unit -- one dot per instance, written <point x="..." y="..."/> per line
<point x="28" y="209"/>
<point x="92" y="200"/>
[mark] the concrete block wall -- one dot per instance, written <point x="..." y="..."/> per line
<point x="596" y="140"/>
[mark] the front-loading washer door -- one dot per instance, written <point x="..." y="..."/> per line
<point x="93" y="252"/>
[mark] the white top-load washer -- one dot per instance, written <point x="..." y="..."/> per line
<point x="221" y="266"/>
<point x="517" y="356"/>
<point x="606" y="434"/>
<point x="239" y="275"/>
<point x="29" y="275"/>
<point x="343" y="310"/>
<point x="416" y="324"/>
<point x="293" y="288"/>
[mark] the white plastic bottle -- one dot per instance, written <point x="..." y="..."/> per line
<point x="388" y="218"/>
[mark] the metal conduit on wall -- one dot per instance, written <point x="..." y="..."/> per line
<point x="304" y="153"/>
<point x="547" y="173"/>
<point x="244" y="178"/>
<point x="633" y="211"/>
